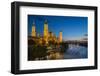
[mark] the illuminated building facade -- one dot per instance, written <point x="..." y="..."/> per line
<point x="46" y="32"/>
<point x="60" y="37"/>
<point x="33" y="34"/>
<point x="47" y="38"/>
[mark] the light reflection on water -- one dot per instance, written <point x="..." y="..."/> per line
<point x="76" y="52"/>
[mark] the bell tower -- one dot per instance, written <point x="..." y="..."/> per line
<point x="33" y="34"/>
<point x="46" y="31"/>
<point x="60" y="36"/>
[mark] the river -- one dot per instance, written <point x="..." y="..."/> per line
<point x="74" y="52"/>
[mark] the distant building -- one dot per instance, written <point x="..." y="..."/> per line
<point x="47" y="38"/>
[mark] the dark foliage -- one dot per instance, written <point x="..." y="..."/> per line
<point x="36" y="52"/>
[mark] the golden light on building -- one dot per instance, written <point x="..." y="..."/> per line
<point x="60" y="37"/>
<point x="33" y="34"/>
<point x="47" y="38"/>
<point x="46" y="31"/>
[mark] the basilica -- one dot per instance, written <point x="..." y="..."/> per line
<point x="47" y="38"/>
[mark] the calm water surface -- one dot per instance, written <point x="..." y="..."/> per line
<point x="76" y="52"/>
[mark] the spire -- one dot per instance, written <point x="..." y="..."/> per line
<point x="45" y="28"/>
<point x="33" y="30"/>
<point x="45" y="22"/>
<point x="46" y="31"/>
<point x="33" y="23"/>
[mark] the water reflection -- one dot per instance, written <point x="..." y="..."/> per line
<point x="52" y="53"/>
<point x="76" y="52"/>
<point x="73" y="52"/>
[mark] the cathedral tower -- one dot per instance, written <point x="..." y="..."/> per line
<point x="33" y="34"/>
<point x="60" y="36"/>
<point x="46" y="31"/>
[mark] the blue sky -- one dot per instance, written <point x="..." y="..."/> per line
<point x="72" y="27"/>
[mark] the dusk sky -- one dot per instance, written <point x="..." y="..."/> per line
<point x="72" y="27"/>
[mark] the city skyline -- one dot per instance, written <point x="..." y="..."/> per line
<point x="72" y="27"/>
